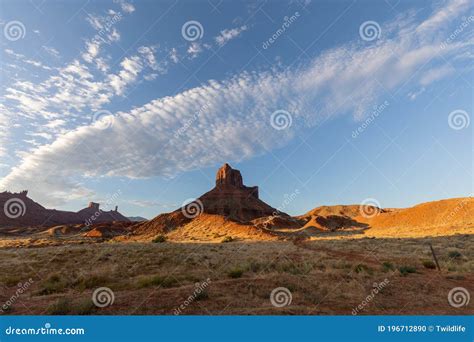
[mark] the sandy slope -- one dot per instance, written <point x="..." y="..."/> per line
<point x="445" y="217"/>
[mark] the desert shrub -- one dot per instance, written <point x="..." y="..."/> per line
<point x="159" y="239"/>
<point x="85" y="307"/>
<point x="61" y="307"/>
<point x="292" y="268"/>
<point x="11" y="280"/>
<point x="405" y="270"/>
<point x="235" y="272"/>
<point x="227" y="239"/>
<point x="157" y="280"/>
<point x="429" y="264"/>
<point x="53" y="284"/>
<point x="387" y="266"/>
<point x="455" y="255"/>
<point x="203" y="295"/>
<point x="254" y="266"/>
<point x="362" y="268"/>
<point x="91" y="282"/>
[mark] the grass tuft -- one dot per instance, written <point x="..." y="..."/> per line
<point x="235" y="272"/>
<point x="405" y="270"/>
<point x="159" y="239"/>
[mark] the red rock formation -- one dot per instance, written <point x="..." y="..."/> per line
<point x="228" y="176"/>
<point x="230" y="198"/>
<point x="18" y="210"/>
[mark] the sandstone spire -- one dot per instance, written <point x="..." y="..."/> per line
<point x="226" y="175"/>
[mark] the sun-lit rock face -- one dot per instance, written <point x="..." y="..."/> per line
<point x="228" y="179"/>
<point x="226" y="175"/>
<point x="232" y="199"/>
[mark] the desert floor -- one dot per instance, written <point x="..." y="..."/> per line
<point x="324" y="277"/>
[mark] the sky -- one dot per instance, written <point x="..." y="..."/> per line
<point x="138" y="103"/>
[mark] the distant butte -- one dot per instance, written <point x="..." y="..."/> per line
<point x="232" y="199"/>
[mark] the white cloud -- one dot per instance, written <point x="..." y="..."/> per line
<point x="52" y="51"/>
<point x="92" y="50"/>
<point x="114" y="36"/>
<point x="150" y="204"/>
<point x="436" y="74"/>
<point x="412" y="95"/>
<point x="174" y="55"/>
<point x="53" y="124"/>
<point x="229" y="119"/>
<point x="228" y="34"/>
<point x="194" y="49"/>
<point x="126" y="7"/>
<point x="24" y="59"/>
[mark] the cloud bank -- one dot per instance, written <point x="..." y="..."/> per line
<point x="230" y="119"/>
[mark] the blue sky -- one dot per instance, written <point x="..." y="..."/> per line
<point x="317" y="102"/>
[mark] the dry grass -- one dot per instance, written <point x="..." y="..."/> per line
<point x="324" y="276"/>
